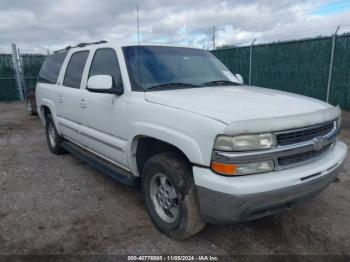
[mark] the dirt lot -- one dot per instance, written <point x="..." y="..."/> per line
<point x="57" y="205"/>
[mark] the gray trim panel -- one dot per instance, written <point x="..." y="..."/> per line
<point x="67" y="126"/>
<point x="89" y="136"/>
<point x="101" y="141"/>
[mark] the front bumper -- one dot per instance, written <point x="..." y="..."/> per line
<point x="229" y="199"/>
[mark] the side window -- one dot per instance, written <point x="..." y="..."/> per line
<point x="105" y="62"/>
<point x="51" y="68"/>
<point x="75" y="69"/>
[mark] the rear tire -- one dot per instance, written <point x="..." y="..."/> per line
<point x="170" y="196"/>
<point x="54" y="140"/>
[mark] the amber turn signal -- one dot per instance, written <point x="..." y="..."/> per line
<point x="224" y="169"/>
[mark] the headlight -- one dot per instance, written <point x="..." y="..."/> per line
<point x="244" y="142"/>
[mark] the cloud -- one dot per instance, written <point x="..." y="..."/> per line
<point x="40" y="24"/>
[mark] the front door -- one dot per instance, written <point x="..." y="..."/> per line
<point x="103" y="118"/>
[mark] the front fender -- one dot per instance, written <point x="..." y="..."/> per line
<point x="174" y="137"/>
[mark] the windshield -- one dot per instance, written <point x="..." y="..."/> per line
<point x="174" y="67"/>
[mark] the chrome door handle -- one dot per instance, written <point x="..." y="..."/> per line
<point x="83" y="103"/>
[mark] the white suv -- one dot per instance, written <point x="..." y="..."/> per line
<point x="205" y="147"/>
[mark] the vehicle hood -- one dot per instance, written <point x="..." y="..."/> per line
<point x="230" y="104"/>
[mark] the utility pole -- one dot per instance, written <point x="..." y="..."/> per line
<point x="214" y="33"/>
<point x="21" y="71"/>
<point x="250" y="61"/>
<point x="17" y="71"/>
<point x="138" y="25"/>
<point x="138" y="42"/>
<point x="331" y="64"/>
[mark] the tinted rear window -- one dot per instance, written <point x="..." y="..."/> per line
<point x="75" y="69"/>
<point x="51" y="68"/>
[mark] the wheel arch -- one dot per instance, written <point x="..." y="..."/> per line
<point x="143" y="146"/>
<point x="46" y="107"/>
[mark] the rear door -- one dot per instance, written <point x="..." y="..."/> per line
<point x="69" y="96"/>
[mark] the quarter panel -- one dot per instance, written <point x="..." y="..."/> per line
<point x="45" y="96"/>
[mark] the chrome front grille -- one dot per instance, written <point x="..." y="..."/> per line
<point x="301" y="157"/>
<point x="319" y="138"/>
<point x="304" y="134"/>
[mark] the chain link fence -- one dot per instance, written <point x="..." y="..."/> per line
<point x="18" y="74"/>
<point x="31" y="64"/>
<point x="303" y="66"/>
<point x="8" y="86"/>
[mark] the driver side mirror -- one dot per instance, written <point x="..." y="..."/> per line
<point x="103" y="84"/>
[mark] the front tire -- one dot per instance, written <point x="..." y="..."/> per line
<point x="170" y="196"/>
<point x="54" y="140"/>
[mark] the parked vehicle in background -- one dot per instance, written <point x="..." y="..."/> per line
<point x="31" y="102"/>
<point x="205" y="147"/>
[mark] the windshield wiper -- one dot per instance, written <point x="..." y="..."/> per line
<point x="221" y="83"/>
<point x="172" y="84"/>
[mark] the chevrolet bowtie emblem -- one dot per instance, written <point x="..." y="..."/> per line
<point x="318" y="143"/>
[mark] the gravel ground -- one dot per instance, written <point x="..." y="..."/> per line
<point x="58" y="205"/>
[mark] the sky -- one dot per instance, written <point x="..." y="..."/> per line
<point x="40" y="25"/>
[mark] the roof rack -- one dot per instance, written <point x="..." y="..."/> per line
<point x="81" y="45"/>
